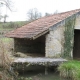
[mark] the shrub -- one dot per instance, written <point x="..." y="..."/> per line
<point x="70" y="70"/>
<point x="6" y="72"/>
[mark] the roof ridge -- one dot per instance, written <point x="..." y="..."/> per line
<point x="56" y="14"/>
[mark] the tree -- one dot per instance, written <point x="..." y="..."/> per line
<point x="55" y="12"/>
<point x="5" y="16"/>
<point x="33" y="14"/>
<point x="48" y="14"/>
<point x="7" y="3"/>
<point x="1" y="17"/>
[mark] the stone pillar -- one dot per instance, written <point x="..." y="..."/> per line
<point x="54" y="43"/>
<point x="46" y="70"/>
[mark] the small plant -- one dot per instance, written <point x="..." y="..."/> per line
<point x="22" y="78"/>
<point x="70" y="70"/>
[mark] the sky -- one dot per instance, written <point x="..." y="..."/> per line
<point x="21" y="7"/>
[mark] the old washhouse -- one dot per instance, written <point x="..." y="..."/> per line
<point x="48" y="40"/>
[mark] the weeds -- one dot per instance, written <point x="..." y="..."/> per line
<point x="7" y="72"/>
<point x="70" y="70"/>
<point x="22" y="78"/>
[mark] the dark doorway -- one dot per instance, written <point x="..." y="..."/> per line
<point x="76" y="49"/>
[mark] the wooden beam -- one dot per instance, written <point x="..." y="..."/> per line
<point x="41" y="34"/>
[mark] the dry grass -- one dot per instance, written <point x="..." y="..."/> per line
<point x="6" y="72"/>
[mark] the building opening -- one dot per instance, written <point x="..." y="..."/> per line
<point x="31" y="48"/>
<point x="76" y="49"/>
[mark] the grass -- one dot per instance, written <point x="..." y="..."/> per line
<point x="8" y="43"/>
<point x="6" y="39"/>
<point x="70" y="70"/>
<point x="12" y="25"/>
<point x="5" y="60"/>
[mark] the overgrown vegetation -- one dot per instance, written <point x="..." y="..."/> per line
<point x="6" y="72"/>
<point x="70" y="70"/>
<point x="8" y="26"/>
<point x="12" y="25"/>
<point x="6" y="69"/>
<point x="69" y="36"/>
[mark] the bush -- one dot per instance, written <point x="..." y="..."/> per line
<point x="6" y="72"/>
<point x="22" y="78"/>
<point x="70" y="70"/>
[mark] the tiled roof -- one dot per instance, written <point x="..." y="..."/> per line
<point x="40" y="25"/>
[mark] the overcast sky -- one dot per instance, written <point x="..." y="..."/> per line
<point x="21" y="7"/>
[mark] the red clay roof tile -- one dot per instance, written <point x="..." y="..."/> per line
<point x="40" y="25"/>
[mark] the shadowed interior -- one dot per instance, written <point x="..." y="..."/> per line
<point x="76" y="49"/>
<point x="34" y="48"/>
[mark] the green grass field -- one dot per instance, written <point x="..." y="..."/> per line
<point x="12" y="25"/>
<point x="7" y="40"/>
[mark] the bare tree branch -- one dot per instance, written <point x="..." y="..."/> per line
<point x="4" y="2"/>
<point x="33" y="14"/>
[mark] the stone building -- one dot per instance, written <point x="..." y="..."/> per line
<point x="53" y="36"/>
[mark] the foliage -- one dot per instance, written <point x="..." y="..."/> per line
<point x="48" y="14"/>
<point x="69" y="36"/>
<point x="6" y="72"/>
<point x="6" y="3"/>
<point x="1" y="17"/>
<point x="6" y="69"/>
<point x="22" y="78"/>
<point x="13" y="25"/>
<point x="5" y="16"/>
<point x="70" y="70"/>
<point x="8" y="26"/>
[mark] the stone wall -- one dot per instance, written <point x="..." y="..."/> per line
<point x="54" y="42"/>
<point x="77" y="23"/>
<point x="55" y="39"/>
